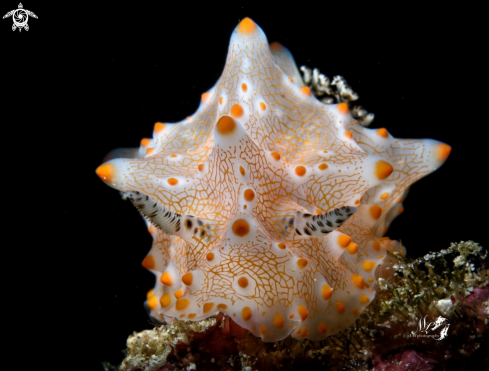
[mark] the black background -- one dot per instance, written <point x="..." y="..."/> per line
<point x="87" y="79"/>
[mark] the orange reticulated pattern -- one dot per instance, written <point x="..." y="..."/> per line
<point x="259" y="149"/>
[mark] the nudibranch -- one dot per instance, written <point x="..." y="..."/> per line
<point x="267" y="204"/>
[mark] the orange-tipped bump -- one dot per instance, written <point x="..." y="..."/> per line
<point x="106" y="172"/>
<point x="343" y="108"/>
<point x="383" y="169"/>
<point x="225" y="125"/>
<point x="159" y="127"/>
<point x="305" y="90"/>
<point x="276" y="46"/>
<point x="442" y="151"/>
<point x="246" y="26"/>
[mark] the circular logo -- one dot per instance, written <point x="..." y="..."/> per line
<point x="20" y="17"/>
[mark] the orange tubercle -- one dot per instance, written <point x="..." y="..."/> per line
<point x="352" y="248"/>
<point x="348" y="135"/>
<point x="145" y="142"/>
<point x="246" y="313"/>
<point x="278" y="321"/>
<point x="166" y="279"/>
<point x="165" y="300"/>
<point x="364" y="299"/>
<point x="275" y="46"/>
<point x="275" y="155"/>
<point x="368" y="265"/>
<point x="383" y="133"/>
<point x="246" y="26"/>
<point x="187" y="278"/>
<point x="244" y="87"/>
<point x="383" y="169"/>
<point x="237" y="111"/>
<point x="326" y="292"/>
<point x="243" y="282"/>
<point x="322" y="328"/>
<point x="340" y="307"/>
<point x="301" y="263"/>
<point x="357" y="280"/>
<point x="149" y="151"/>
<point x="241" y="227"/>
<point x="159" y="127"/>
<point x="225" y="125"/>
<point x="343" y="108"/>
<point x="249" y="195"/>
<point x="207" y="307"/>
<point x="179" y="293"/>
<point x="305" y="90"/>
<point x="323" y="166"/>
<point x="152" y="302"/>
<point x="344" y="240"/>
<point x="182" y="304"/>
<point x="148" y="262"/>
<point x="375" y="211"/>
<point x="300" y="170"/>
<point x="303" y="313"/>
<point x="263" y="106"/>
<point x="106" y="172"/>
<point x="442" y="151"/>
<point x="205" y="97"/>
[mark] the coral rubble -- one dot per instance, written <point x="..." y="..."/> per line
<point x="452" y="284"/>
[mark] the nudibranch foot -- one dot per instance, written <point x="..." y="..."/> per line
<point x="267" y="204"/>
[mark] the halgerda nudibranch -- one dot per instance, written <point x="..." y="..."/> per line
<point x="267" y="204"/>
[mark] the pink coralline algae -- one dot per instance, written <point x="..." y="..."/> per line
<point x="405" y="361"/>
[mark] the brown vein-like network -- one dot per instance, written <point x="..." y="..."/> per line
<point x="229" y="187"/>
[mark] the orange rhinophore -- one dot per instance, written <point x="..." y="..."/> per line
<point x="267" y="204"/>
<point x="106" y="172"/>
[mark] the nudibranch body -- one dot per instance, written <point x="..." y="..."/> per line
<point x="267" y="204"/>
